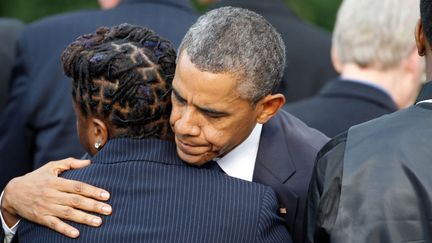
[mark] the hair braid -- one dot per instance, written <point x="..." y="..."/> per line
<point x="123" y="75"/>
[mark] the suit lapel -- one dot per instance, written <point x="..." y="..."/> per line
<point x="274" y="167"/>
<point x="273" y="158"/>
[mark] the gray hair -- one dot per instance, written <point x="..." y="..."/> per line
<point x="375" y="33"/>
<point x="239" y="42"/>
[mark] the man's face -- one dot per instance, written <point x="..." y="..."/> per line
<point x="209" y="118"/>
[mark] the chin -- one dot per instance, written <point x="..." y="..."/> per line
<point x="196" y="160"/>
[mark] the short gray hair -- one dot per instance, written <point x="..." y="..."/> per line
<point x="239" y="42"/>
<point x="375" y="33"/>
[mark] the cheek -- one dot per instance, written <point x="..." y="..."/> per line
<point x="175" y="115"/>
<point x="218" y="138"/>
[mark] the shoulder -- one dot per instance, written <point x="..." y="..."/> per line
<point x="296" y="131"/>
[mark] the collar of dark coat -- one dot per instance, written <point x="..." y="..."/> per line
<point x="273" y="153"/>
<point x="345" y="88"/>
<point x="119" y="150"/>
<point x="186" y="4"/>
<point x="426" y="92"/>
<point x="262" y="7"/>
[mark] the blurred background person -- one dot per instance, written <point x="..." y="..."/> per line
<point x="9" y="31"/>
<point x="308" y="65"/>
<point x="373" y="184"/>
<point x="380" y="71"/>
<point x="38" y="123"/>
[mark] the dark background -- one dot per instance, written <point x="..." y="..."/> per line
<point x="318" y="12"/>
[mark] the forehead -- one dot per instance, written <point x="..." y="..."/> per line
<point x="204" y="87"/>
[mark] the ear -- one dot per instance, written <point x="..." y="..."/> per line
<point x="420" y="38"/>
<point x="269" y="106"/>
<point x="335" y="60"/>
<point x="98" y="134"/>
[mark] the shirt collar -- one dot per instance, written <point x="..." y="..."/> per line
<point x="240" y="162"/>
<point x="425" y="101"/>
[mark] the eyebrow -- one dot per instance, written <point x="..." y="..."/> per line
<point x="178" y="96"/>
<point x="203" y="109"/>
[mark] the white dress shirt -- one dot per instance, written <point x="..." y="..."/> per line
<point x="425" y="101"/>
<point x="239" y="163"/>
<point x="9" y="232"/>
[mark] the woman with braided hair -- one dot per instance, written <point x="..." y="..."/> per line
<point x="121" y="87"/>
<point x="121" y="83"/>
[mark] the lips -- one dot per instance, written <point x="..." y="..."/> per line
<point x="191" y="149"/>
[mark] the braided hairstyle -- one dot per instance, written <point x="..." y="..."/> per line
<point x="123" y="76"/>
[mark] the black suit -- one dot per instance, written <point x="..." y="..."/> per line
<point x="373" y="184"/>
<point x="158" y="198"/>
<point x="307" y="48"/>
<point x="342" y="104"/>
<point x="9" y="31"/>
<point x="38" y="124"/>
<point x="285" y="160"/>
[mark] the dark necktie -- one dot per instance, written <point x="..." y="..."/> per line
<point x="213" y="165"/>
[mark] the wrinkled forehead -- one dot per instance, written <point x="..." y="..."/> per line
<point x="208" y="87"/>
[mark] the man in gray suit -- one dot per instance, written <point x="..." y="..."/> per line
<point x="9" y="31"/>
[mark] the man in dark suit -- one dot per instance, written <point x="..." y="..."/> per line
<point x="380" y="71"/>
<point x="224" y="109"/>
<point x="38" y="124"/>
<point x="373" y="183"/>
<point x="9" y="31"/>
<point x="307" y="47"/>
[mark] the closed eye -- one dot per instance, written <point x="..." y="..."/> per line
<point x="178" y="97"/>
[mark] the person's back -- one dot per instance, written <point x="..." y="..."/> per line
<point x="340" y="105"/>
<point x="39" y="119"/>
<point x="307" y="48"/>
<point x="159" y="198"/>
<point x="380" y="69"/>
<point x="9" y="31"/>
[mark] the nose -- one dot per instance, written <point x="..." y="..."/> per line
<point x="187" y="123"/>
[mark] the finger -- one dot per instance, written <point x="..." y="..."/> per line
<point x="83" y="203"/>
<point x="74" y="215"/>
<point x="78" y="163"/>
<point x="81" y="188"/>
<point x="60" y="226"/>
<point x="58" y="167"/>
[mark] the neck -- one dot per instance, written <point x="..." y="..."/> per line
<point x="393" y="81"/>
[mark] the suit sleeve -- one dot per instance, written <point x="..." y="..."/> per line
<point x="324" y="191"/>
<point x="271" y="227"/>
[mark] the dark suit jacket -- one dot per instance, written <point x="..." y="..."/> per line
<point x="307" y="48"/>
<point x="285" y="160"/>
<point x="158" y="198"/>
<point x="340" y="105"/>
<point x="9" y="31"/>
<point x="38" y="124"/>
<point x="373" y="184"/>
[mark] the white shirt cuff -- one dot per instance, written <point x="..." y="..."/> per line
<point x="9" y="232"/>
